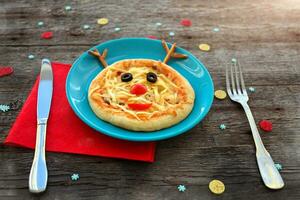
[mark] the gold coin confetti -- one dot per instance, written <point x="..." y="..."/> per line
<point x="216" y="187"/>
<point x="204" y="47"/>
<point x="220" y="94"/>
<point x="102" y="21"/>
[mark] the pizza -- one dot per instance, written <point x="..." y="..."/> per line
<point x="141" y="95"/>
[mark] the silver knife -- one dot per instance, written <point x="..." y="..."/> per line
<point x="38" y="173"/>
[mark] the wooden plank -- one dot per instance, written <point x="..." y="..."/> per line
<point x="264" y="36"/>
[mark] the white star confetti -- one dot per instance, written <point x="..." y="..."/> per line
<point x="233" y="60"/>
<point x="171" y="34"/>
<point x="278" y="166"/>
<point x="30" y="56"/>
<point x="75" y="177"/>
<point x="251" y="89"/>
<point x="4" y="108"/>
<point x="158" y="24"/>
<point x="86" y="26"/>
<point x="222" y="126"/>
<point x="40" y="23"/>
<point x="181" y="188"/>
<point x="68" y="8"/>
<point x="117" y="29"/>
<point x="216" y="29"/>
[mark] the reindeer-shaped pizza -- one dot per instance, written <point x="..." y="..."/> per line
<point x="141" y="94"/>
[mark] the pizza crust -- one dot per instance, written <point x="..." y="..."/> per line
<point x="157" y="122"/>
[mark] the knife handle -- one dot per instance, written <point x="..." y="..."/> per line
<point x="38" y="173"/>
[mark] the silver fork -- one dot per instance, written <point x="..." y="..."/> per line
<point x="237" y="92"/>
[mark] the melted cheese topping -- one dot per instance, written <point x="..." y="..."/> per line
<point x="162" y="94"/>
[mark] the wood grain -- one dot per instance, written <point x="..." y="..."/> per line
<point x="263" y="35"/>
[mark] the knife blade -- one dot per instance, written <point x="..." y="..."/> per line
<point x="38" y="174"/>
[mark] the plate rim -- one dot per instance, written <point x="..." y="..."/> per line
<point x="128" y="138"/>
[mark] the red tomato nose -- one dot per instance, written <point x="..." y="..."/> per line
<point x="138" y="89"/>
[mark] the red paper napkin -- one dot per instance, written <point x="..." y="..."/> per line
<point x="66" y="132"/>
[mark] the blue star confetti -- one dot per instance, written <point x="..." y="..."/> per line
<point x="75" y="177"/>
<point x="181" y="188"/>
<point x="278" y="166"/>
<point x="251" y="89"/>
<point x="222" y="126"/>
<point x="4" y="108"/>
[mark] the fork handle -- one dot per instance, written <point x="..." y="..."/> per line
<point x="268" y="171"/>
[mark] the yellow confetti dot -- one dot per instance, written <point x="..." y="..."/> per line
<point x="216" y="187"/>
<point x="204" y="47"/>
<point x="220" y="94"/>
<point x="102" y="21"/>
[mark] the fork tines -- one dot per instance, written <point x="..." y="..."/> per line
<point x="236" y="86"/>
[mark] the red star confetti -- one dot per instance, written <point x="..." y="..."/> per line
<point x="266" y="125"/>
<point x="5" y="71"/>
<point x="152" y="37"/>
<point x="47" y="35"/>
<point x="186" y="22"/>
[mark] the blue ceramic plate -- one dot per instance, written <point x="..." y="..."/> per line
<point x="86" y="67"/>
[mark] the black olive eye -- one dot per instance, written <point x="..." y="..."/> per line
<point x="151" y="77"/>
<point x="126" y="77"/>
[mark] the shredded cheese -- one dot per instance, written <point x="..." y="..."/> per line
<point x="162" y="94"/>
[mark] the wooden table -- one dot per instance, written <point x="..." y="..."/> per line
<point x="263" y="35"/>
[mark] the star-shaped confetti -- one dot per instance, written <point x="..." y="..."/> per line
<point x="251" y="89"/>
<point x="4" y="108"/>
<point x="30" y="56"/>
<point x="278" y="166"/>
<point x="181" y="188"/>
<point x="75" y="177"/>
<point x="117" y="29"/>
<point x="216" y="29"/>
<point x="68" y="8"/>
<point x="233" y="60"/>
<point x="86" y="26"/>
<point x="40" y="23"/>
<point x="171" y="34"/>
<point x="158" y="24"/>
<point x="222" y="126"/>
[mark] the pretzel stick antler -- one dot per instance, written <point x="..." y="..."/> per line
<point x="171" y="52"/>
<point x="98" y="55"/>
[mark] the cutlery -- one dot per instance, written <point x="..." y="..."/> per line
<point x="38" y="173"/>
<point x="237" y="92"/>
